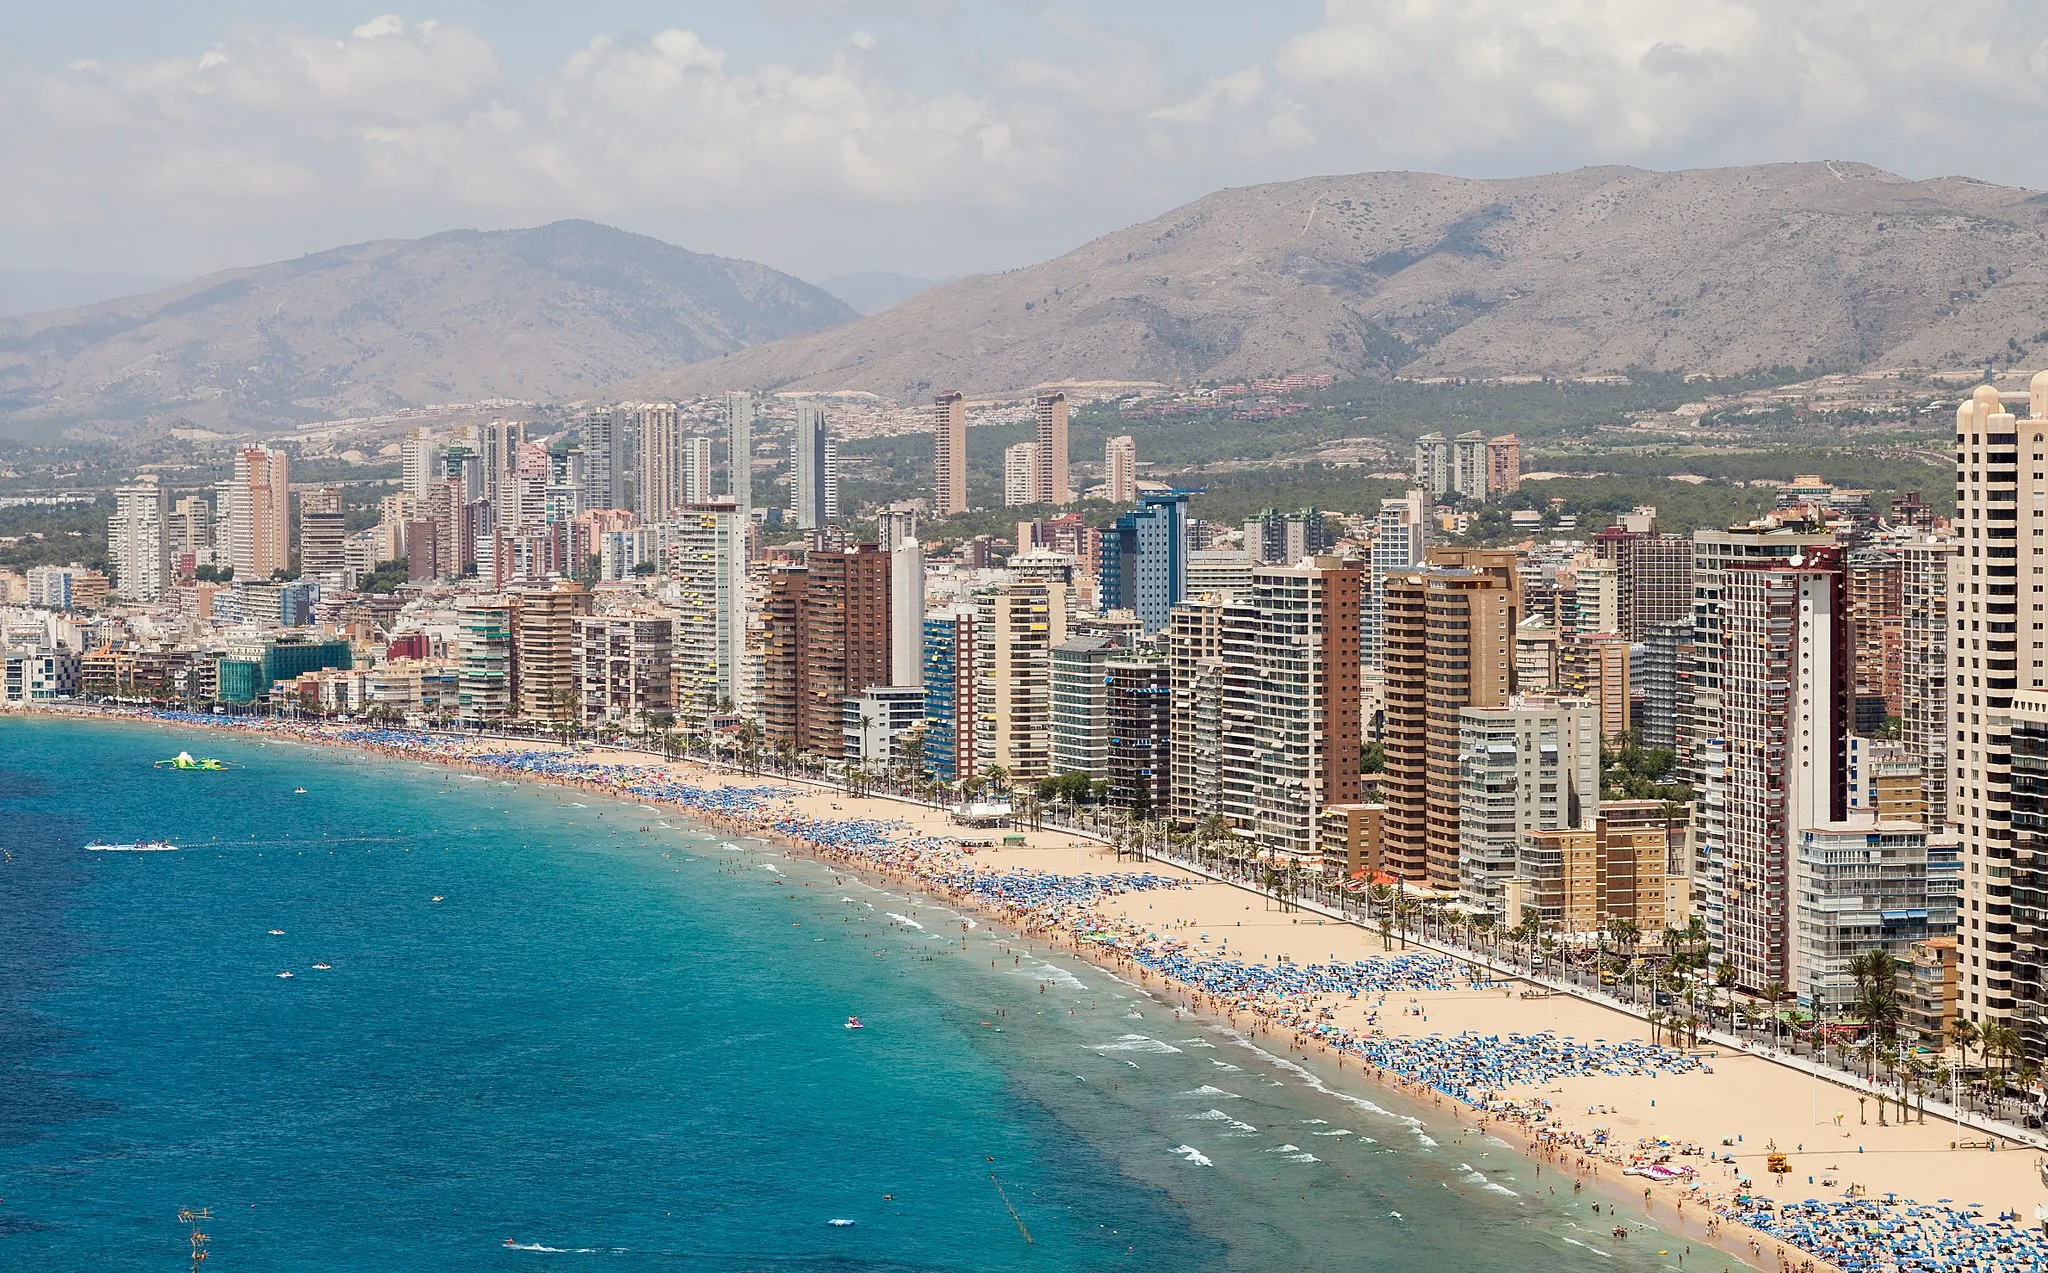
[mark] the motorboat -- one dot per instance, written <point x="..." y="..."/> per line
<point x="145" y="846"/>
<point x="284" y="974"/>
<point x="323" y="967"/>
<point x="853" y="1023"/>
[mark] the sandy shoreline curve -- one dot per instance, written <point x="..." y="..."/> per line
<point x="1568" y="1083"/>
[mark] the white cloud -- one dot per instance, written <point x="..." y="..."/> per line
<point x="278" y="139"/>
<point x="1707" y="81"/>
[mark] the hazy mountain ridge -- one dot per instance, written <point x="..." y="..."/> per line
<point x="548" y="314"/>
<point x="1718" y="270"/>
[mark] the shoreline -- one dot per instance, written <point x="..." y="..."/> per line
<point x="1074" y="929"/>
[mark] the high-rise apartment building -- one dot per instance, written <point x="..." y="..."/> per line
<point x="1653" y="574"/>
<point x="1994" y="647"/>
<point x="1448" y="644"/>
<point x="1020" y="475"/>
<point x="1613" y="867"/>
<point x="1504" y="464"/>
<point x="139" y="540"/>
<point x="813" y="470"/>
<point x="906" y="611"/>
<point x="1291" y="711"/>
<point x="1018" y="626"/>
<point x="1596" y="669"/>
<point x="419" y="463"/>
<point x="544" y="649"/>
<point x="1877" y="616"/>
<point x="950" y="644"/>
<point x="484" y="668"/>
<point x="828" y="641"/>
<point x="739" y="451"/>
<point x="1700" y="722"/>
<point x="1785" y="676"/>
<point x="1530" y="765"/>
<point x="709" y="564"/>
<point x="191" y="525"/>
<point x="1194" y="652"/>
<point x="661" y="462"/>
<point x="1080" y="706"/>
<point x="1469" y="469"/>
<point x="1051" y="485"/>
<point x="1400" y="541"/>
<point x="949" y="453"/>
<point x="1143" y="565"/>
<point x="624" y="664"/>
<point x="1139" y="702"/>
<point x="1120" y="469"/>
<point x="1924" y="666"/>
<point x="607" y="468"/>
<point x="255" y="513"/>
<point x="1433" y="468"/>
<point x="323" y="532"/>
<point x="697" y="477"/>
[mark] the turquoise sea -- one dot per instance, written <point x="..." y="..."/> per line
<point x="619" y="1043"/>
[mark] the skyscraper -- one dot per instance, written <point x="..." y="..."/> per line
<point x="661" y="462"/>
<point x="1990" y="661"/>
<point x="1400" y="539"/>
<point x="1700" y="720"/>
<point x="1194" y="645"/>
<point x="1143" y="566"/>
<point x="419" y="463"/>
<point x="1469" y="468"/>
<point x="1924" y="666"/>
<point x="739" y="451"/>
<point x="906" y="612"/>
<point x="1020" y="475"/>
<point x="813" y="470"/>
<point x="1291" y="713"/>
<point x="1504" y="464"/>
<point x="828" y="641"/>
<point x="1532" y="764"/>
<point x="1019" y="624"/>
<point x="323" y="530"/>
<point x="604" y="460"/>
<point x="949" y="672"/>
<point x="484" y="684"/>
<point x="1139" y="703"/>
<point x="1433" y="467"/>
<point x="1785" y="679"/>
<point x="710" y="556"/>
<point x="1120" y="469"/>
<point x="1050" y="486"/>
<point x="949" y="453"/>
<point x="255" y="513"/>
<point x="498" y="444"/>
<point x="1080" y="706"/>
<point x="697" y="470"/>
<point x="1448" y="644"/>
<point x="138" y="540"/>
<point x="544" y="649"/>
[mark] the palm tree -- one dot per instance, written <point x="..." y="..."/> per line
<point x="1380" y="898"/>
<point x="1724" y="977"/>
<point x="1776" y="993"/>
<point x="1964" y="1034"/>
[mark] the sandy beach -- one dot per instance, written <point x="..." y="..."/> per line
<point x="1606" y="1098"/>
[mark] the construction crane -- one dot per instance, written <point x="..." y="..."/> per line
<point x="191" y="1218"/>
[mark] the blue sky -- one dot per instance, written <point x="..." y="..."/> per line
<point x="931" y="137"/>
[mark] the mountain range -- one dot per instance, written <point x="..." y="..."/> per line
<point x="1714" y="270"/>
<point x="1727" y="270"/>
<point x="546" y="314"/>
